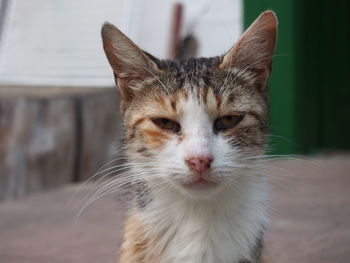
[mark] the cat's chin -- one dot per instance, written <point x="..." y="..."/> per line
<point x="200" y="185"/>
<point x="199" y="189"/>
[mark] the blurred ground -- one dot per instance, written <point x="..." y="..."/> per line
<point x="310" y="220"/>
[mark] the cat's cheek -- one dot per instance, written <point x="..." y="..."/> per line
<point x="223" y="152"/>
<point x="247" y="138"/>
<point x="155" y="139"/>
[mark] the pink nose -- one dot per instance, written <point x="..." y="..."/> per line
<point x="199" y="164"/>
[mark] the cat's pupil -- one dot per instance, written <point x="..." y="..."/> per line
<point x="227" y="119"/>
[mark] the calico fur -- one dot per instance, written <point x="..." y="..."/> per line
<point x="171" y="220"/>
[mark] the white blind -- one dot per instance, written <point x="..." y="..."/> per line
<point x="57" y="42"/>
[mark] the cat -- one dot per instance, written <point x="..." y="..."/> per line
<point x="195" y="131"/>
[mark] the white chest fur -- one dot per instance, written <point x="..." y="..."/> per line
<point x="222" y="230"/>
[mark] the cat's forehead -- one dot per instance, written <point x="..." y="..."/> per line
<point x="200" y="82"/>
<point x="191" y="65"/>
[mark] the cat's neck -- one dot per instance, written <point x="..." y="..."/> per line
<point x="224" y="229"/>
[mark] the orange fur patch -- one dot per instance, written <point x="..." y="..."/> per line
<point x="173" y="103"/>
<point x="265" y="258"/>
<point x="136" y="247"/>
<point x="162" y="103"/>
<point x="184" y="94"/>
<point x="211" y="102"/>
<point x="154" y="138"/>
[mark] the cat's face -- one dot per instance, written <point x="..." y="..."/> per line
<point x="193" y="130"/>
<point x="194" y="125"/>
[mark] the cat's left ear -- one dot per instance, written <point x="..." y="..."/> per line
<point x="254" y="50"/>
<point x="129" y="63"/>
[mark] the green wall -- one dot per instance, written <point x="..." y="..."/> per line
<point x="309" y="93"/>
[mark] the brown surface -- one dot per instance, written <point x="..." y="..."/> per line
<point x="311" y="212"/>
<point x="310" y="220"/>
<point x="45" y="228"/>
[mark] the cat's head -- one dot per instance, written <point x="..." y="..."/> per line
<point x="194" y="124"/>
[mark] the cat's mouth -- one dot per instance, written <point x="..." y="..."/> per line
<point x="200" y="184"/>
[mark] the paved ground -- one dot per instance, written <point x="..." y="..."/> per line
<point x="310" y="220"/>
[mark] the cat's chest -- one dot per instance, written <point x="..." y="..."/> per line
<point x="208" y="242"/>
<point x="193" y="234"/>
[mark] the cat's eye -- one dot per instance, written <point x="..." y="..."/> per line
<point x="167" y="124"/>
<point x="227" y="122"/>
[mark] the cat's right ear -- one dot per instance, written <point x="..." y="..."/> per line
<point x="129" y="63"/>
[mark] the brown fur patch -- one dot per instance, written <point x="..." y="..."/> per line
<point x="162" y="103"/>
<point x="173" y="104"/>
<point x="211" y="104"/>
<point x="185" y="94"/>
<point x="265" y="257"/>
<point x="132" y="132"/>
<point x="154" y="138"/>
<point x="142" y="150"/>
<point x="205" y="96"/>
<point x="218" y="101"/>
<point x="138" y="121"/>
<point x="135" y="242"/>
<point x="136" y="246"/>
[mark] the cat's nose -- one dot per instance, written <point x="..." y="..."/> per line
<point x="199" y="164"/>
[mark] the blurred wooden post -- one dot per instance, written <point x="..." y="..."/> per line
<point x="53" y="136"/>
<point x="100" y="131"/>
<point x="176" y="30"/>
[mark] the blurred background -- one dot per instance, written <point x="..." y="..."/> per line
<point x="59" y="112"/>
